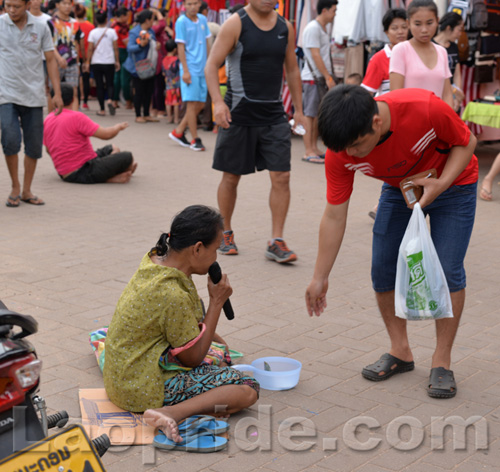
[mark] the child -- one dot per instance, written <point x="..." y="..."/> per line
<point x="418" y="62"/>
<point x="376" y="79"/>
<point x="354" y="79"/>
<point x="170" y="67"/>
<point x="122" y="78"/>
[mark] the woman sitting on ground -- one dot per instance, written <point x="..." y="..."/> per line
<point x="160" y="311"/>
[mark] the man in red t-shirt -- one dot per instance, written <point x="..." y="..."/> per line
<point x="390" y="138"/>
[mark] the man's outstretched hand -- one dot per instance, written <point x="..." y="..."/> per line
<point x="316" y="297"/>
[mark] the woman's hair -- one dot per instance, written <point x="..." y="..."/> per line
<point x="144" y="16"/>
<point x="196" y="223"/>
<point x="451" y="19"/>
<point x="121" y="11"/>
<point x="80" y="11"/>
<point x="391" y="15"/>
<point x="203" y="6"/>
<point x="170" y="45"/>
<point x="101" y="17"/>
<point x="416" y="4"/>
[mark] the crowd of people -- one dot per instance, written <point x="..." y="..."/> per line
<point x="401" y="120"/>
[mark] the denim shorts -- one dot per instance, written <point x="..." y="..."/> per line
<point x="196" y="91"/>
<point x="451" y="218"/>
<point x="13" y="119"/>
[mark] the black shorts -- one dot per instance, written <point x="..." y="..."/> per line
<point x="102" y="168"/>
<point x="241" y="150"/>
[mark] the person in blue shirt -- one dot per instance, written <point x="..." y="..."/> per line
<point x="191" y="36"/>
<point x="141" y="38"/>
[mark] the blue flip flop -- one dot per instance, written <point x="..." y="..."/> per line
<point x="200" y="442"/>
<point x="207" y="423"/>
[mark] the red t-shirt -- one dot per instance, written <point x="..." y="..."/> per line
<point x="376" y="79"/>
<point x="122" y="32"/>
<point x="66" y="137"/>
<point x="86" y="27"/>
<point x="423" y="127"/>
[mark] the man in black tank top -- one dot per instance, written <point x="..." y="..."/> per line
<point x="253" y="130"/>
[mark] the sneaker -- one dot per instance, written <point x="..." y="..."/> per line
<point x="278" y="251"/>
<point x="180" y="139"/>
<point x="197" y="145"/>
<point x="85" y="106"/>
<point x="227" y="245"/>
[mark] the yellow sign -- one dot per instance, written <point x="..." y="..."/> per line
<point x="67" y="451"/>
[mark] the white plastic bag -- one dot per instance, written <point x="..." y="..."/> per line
<point x="421" y="289"/>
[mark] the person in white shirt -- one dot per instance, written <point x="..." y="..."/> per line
<point x="103" y="57"/>
<point x="316" y="41"/>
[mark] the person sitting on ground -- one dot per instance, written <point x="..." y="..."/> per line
<point x="66" y="137"/>
<point x="160" y="315"/>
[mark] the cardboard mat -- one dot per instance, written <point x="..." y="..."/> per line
<point x="100" y="416"/>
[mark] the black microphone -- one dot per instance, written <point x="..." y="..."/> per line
<point x="215" y="274"/>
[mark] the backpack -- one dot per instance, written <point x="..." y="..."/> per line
<point x="479" y="15"/>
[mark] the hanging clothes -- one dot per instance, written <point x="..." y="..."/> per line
<point x="307" y="14"/>
<point x="349" y="21"/>
<point x="374" y="11"/>
<point x="359" y="20"/>
<point x="471" y="91"/>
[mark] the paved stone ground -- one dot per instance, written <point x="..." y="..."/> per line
<point x="66" y="263"/>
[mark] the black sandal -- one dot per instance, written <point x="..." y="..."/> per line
<point x="441" y="383"/>
<point x="389" y="365"/>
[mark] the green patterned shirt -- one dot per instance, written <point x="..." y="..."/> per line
<point x="159" y="308"/>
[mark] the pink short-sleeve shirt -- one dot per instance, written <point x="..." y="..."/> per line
<point x="406" y="61"/>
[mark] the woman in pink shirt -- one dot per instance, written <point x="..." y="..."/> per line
<point x="418" y="62"/>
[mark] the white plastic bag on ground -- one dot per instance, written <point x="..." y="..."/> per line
<point x="421" y="289"/>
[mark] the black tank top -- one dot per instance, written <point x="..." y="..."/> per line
<point x="255" y="74"/>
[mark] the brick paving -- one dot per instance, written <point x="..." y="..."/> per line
<point x="66" y="263"/>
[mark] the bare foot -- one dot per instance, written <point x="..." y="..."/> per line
<point x="140" y="119"/>
<point x="485" y="192"/>
<point x="159" y="418"/>
<point x="122" y="178"/>
<point x="133" y="167"/>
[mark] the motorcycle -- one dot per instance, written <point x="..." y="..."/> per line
<point x="24" y="423"/>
